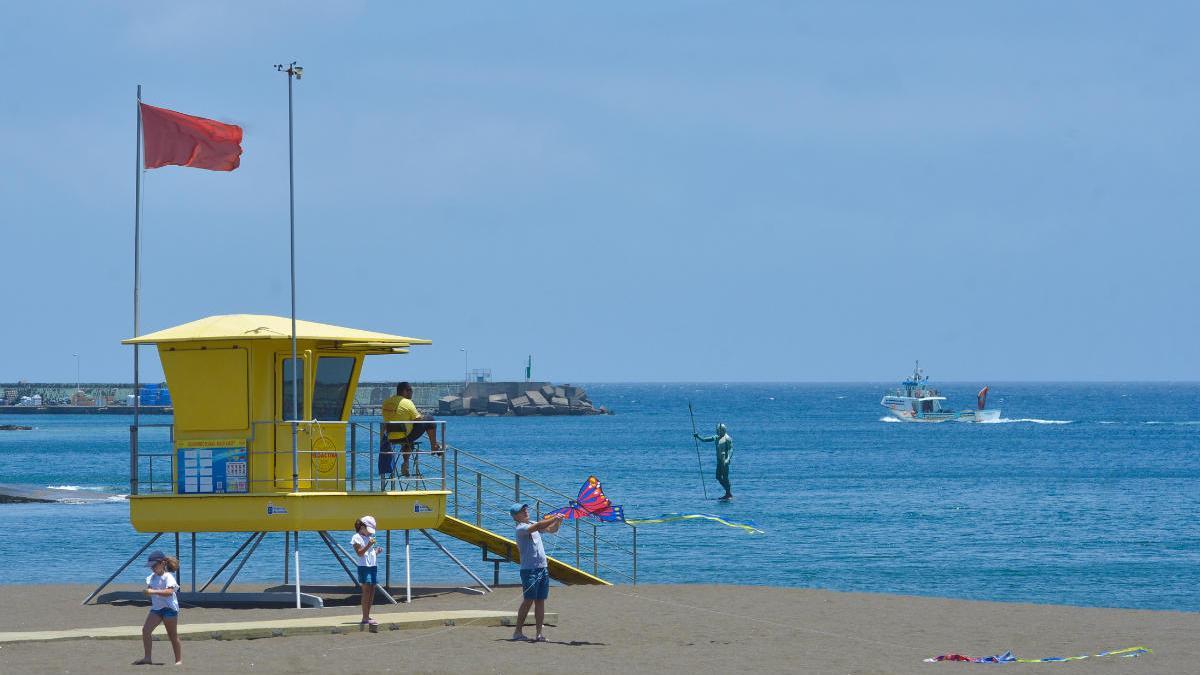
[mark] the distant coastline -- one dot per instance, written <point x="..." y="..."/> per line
<point x="84" y="410"/>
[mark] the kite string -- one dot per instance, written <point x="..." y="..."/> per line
<point x="755" y="619"/>
<point x="1126" y="652"/>
<point x="506" y="599"/>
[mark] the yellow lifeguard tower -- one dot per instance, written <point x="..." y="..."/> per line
<point x="232" y="466"/>
<point x="234" y="469"/>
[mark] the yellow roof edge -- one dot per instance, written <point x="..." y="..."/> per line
<point x="235" y="327"/>
<point x="348" y="344"/>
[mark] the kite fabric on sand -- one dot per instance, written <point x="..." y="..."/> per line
<point x="592" y="502"/>
<point x="1007" y="657"/>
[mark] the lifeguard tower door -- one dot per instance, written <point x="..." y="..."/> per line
<point x="284" y="413"/>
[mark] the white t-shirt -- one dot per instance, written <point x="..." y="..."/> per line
<point x="368" y="557"/>
<point x="158" y="583"/>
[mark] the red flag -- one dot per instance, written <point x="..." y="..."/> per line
<point x="184" y="140"/>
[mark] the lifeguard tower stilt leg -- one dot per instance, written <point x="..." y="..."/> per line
<point x="227" y="562"/>
<point x="443" y="549"/>
<point x="129" y="562"/>
<point x="336" y="556"/>
<point x="261" y="536"/>
<point x="379" y="587"/>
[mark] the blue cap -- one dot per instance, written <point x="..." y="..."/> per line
<point x="516" y="508"/>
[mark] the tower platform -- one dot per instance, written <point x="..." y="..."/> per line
<point x="286" y="512"/>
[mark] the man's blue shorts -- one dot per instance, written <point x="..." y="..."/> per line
<point x="368" y="575"/>
<point x="166" y="612"/>
<point x="536" y="583"/>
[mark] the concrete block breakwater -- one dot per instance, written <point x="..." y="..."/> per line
<point x="483" y="398"/>
<point x="519" y="398"/>
<point x="446" y="398"/>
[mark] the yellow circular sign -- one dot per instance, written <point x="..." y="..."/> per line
<point x="326" y="461"/>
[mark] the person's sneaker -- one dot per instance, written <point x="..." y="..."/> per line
<point x="518" y="636"/>
<point x="540" y="638"/>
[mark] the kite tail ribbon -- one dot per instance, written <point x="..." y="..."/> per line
<point x="676" y="517"/>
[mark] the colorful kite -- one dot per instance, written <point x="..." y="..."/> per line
<point x="591" y="502"/>
<point x="1007" y="657"/>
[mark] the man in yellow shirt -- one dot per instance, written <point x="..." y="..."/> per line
<point x="399" y="413"/>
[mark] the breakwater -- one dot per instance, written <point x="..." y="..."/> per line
<point x="520" y="399"/>
<point x="482" y="398"/>
<point x="439" y="397"/>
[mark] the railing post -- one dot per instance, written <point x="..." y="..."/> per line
<point x="353" y="456"/>
<point x="443" y="468"/>
<point x="133" y="458"/>
<point x="456" y="482"/>
<point x="595" y="553"/>
<point x="479" y="500"/>
<point x="576" y="543"/>
<point x="192" y="561"/>
<point x="635" y="555"/>
<point x="517" y="487"/>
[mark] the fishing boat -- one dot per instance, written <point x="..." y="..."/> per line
<point x="915" y="401"/>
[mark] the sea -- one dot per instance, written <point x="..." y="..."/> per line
<point x="1082" y="494"/>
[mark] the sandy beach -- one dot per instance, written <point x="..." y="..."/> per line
<point x="649" y="628"/>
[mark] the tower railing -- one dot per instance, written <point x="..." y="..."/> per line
<point x="481" y="493"/>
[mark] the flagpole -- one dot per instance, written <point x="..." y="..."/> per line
<point x="137" y="285"/>
<point x="292" y="246"/>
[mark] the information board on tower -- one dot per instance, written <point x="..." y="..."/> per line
<point x="211" y="466"/>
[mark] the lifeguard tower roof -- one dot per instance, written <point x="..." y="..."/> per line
<point x="267" y="327"/>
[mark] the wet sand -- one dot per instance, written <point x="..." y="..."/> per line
<point x="642" y="629"/>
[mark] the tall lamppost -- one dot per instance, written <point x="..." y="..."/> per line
<point x="466" y="371"/>
<point x="76" y="371"/>
<point x="295" y="71"/>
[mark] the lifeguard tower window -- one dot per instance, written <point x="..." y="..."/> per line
<point x="331" y="386"/>
<point x="209" y="387"/>
<point x="286" y="376"/>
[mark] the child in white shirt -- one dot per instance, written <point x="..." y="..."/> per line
<point x="161" y="586"/>
<point x="363" y="542"/>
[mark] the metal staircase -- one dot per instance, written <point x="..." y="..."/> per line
<point x="583" y="551"/>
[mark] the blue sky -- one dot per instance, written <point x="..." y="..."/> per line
<point x="705" y="191"/>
